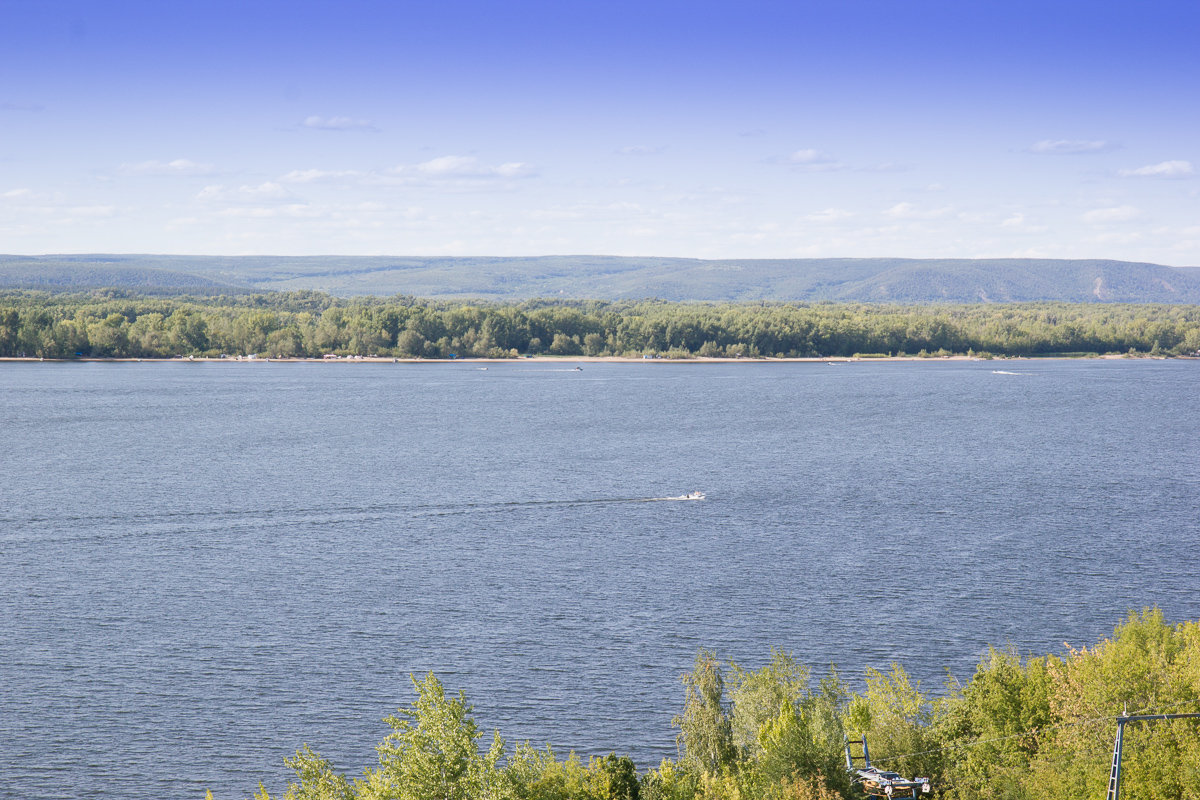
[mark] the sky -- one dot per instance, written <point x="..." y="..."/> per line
<point x="706" y="129"/>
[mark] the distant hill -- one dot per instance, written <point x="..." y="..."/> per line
<point x="876" y="280"/>
<point x="135" y="273"/>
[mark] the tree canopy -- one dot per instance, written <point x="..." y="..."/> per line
<point x="109" y="323"/>
<point x="1022" y="728"/>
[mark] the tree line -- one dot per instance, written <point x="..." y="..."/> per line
<point x="309" y="324"/>
<point x="1022" y="728"/>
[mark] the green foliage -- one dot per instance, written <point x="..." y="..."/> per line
<point x="306" y="324"/>
<point x="620" y="777"/>
<point x="994" y="725"/>
<point x="1033" y="728"/>
<point x="897" y="717"/>
<point x="431" y="751"/>
<point x="316" y="779"/>
<point x="538" y="775"/>
<point x="759" y="698"/>
<point x="1043" y="728"/>
<point x="670" y="781"/>
<point x="705" y="727"/>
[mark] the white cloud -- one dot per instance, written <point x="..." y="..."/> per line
<point x="14" y="193"/>
<point x="830" y="215"/>
<point x="469" y="167"/>
<point x="464" y="168"/>
<point x="1119" y="238"/>
<point x="7" y="106"/>
<point x="886" y="166"/>
<point x="451" y="165"/>
<point x="1070" y="146"/>
<point x="909" y="211"/>
<point x="809" y="160"/>
<point x="320" y="175"/>
<point x="263" y="192"/>
<point x="1018" y="222"/>
<point x="1101" y="216"/>
<point x="1164" y="169"/>
<point x="180" y="166"/>
<point x="641" y="150"/>
<point x="290" y="211"/>
<point x="336" y="123"/>
<point x="89" y="211"/>
<point x="268" y="191"/>
<point x="809" y="156"/>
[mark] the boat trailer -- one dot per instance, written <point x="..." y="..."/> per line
<point x="876" y="782"/>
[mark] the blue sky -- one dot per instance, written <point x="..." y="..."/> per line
<point x="704" y="129"/>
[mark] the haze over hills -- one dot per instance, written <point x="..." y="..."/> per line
<point x="890" y="280"/>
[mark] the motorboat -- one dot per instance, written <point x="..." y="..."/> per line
<point x="693" y="496"/>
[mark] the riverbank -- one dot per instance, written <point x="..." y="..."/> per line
<point x="578" y="359"/>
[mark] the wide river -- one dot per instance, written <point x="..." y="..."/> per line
<point x="204" y="566"/>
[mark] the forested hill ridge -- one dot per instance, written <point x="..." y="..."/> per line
<point x="860" y="280"/>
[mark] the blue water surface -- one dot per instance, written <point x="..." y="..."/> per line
<point x="205" y="566"/>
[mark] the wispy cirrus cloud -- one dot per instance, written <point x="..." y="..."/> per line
<point x="809" y="160"/>
<point x="829" y="215"/>
<point x="268" y="192"/>
<point x="1017" y="221"/>
<point x="448" y="170"/>
<point x="641" y="150"/>
<point x="286" y="211"/>
<point x="885" y="167"/>
<point x="337" y="123"/>
<point x="462" y="169"/>
<point x="1070" y="146"/>
<point x="1163" y="169"/>
<point x="33" y="107"/>
<point x="180" y="166"/>
<point x="63" y="212"/>
<point x="90" y="211"/>
<point x="322" y="176"/>
<point x="812" y="160"/>
<point x="468" y="167"/>
<point x="1103" y="216"/>
<point x="910" y="211"/>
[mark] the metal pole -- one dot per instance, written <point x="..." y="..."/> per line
<point x="1114" y="775"/>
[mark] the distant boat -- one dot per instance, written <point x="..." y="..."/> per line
<point x="692" y="496"/>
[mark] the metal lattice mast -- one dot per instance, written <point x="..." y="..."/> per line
<point x="1114" y="776"/>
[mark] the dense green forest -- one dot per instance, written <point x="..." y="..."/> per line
<point x="1022" y="728"/>
<point x="107" y="323"/>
